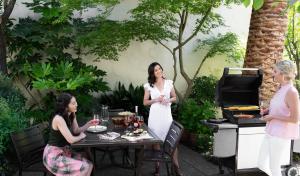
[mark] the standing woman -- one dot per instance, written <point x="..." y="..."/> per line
<point x="58" y="158"/>
<point x="282" y="120"/>
<point x="162" y="95"/>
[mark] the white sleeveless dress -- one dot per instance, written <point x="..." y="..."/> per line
<point x="160" y="117"/>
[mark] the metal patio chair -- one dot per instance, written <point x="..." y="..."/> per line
<point x="29" y="146"/>
<point x="166" y="154"/>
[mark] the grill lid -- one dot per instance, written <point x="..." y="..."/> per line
<point x="239" y="88"/>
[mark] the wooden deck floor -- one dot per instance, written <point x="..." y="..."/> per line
<point x="192" y="164"/>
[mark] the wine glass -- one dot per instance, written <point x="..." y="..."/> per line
<point x="96" y="119"/>
<point x="141" y="120"/>
<point x="126" y="123"/>
<point x="262" y="106"/>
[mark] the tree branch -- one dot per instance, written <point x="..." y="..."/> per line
<point x="197" y="29"/>
<point x="199" y="67"/>
<point x="290" y="47"/>
<point x="7" y="11"/>
<point x="288" y="51"/>
<point x="185" y="18"/>
<point x="164" y="45"/>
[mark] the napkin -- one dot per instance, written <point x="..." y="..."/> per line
<point x="136" y="138"/>
<point x="109" y="136"/>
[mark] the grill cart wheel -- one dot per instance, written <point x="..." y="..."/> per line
<point x="292" y="171"/>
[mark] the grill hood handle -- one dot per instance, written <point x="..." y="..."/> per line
<point x="227" y="69"/>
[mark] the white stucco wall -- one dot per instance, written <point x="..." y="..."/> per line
<point x="133" y="63"/>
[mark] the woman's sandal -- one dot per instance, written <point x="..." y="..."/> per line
<point x="177" y="171"/>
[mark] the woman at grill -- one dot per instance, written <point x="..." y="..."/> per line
<point x="282" y="118"/>
<point x="162" y="95"/>
<point x="58" y="158"/>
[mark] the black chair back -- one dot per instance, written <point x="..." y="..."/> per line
<point x="172" y="138"/>
<point x="114" y="112"/>
<point x="29" y="145"/>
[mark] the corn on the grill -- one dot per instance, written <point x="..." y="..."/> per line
<point x="242" y="108"/>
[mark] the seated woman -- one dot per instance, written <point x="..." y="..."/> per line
<point x="58" y="158"/>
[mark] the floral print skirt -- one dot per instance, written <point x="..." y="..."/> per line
<point x="61" y="161"/>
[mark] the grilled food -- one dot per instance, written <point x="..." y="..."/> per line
<point x="242" y="108"/>
<point x="246" y="116"/>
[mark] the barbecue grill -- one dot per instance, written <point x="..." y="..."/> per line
<point x="239" y="139"/>
<point x="240" y="90"/>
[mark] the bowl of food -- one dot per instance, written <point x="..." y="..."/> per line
<point x="118" y="121"/>
<point x="125" y="113"/>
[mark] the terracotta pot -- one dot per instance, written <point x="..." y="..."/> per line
<point x="185" y="137"/>
<point x="193" y="139"/>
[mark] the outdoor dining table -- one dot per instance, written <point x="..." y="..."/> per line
<point x="93" y="140"/>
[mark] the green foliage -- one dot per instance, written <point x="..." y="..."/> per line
<point x="42" y="54"/>
<point x="205" y="140"/>
<point x="13" y="96"/>
<point x="61" y="76"/>
<point x="126" y="98"/>
<point x="256" y="4"/>
<point x="40" y="51"/>
<point x="190" y="114"/>
<point x="10" y="121"/>
<point x="161" y="16"/>
<point x="12" y="117"/>
<point x="223" y="44"/>
<point x="297" y="85"/>
<point x="104" y="38"/>
<point x="292" y="40"/>
<point x="68" y="6"/>
<point x="204" y="89"/>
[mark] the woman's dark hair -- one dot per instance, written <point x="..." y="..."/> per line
<point x="151" y="76"/>
<point x="61" y="108"/>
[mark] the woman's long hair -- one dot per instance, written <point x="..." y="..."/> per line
<point x="151" y="76"/>
<point x="61" y="108"/>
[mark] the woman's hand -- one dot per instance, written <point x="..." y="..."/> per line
<point x="160" y="99"/>
<point x="264" y="111"/>
<point x="82" y="135"/>
<point x="165" y="102"/>
<point x="93" y="122"/>
<point x="267" y="118"/>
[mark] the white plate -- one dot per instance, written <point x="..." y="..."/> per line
<point x="97" y="129"/>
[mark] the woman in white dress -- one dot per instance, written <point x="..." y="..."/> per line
<point x="162" y="95"/>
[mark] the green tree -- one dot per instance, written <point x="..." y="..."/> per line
<point x="41" y="53"/>
<point x="292" y="42"/>
<point x="6" y="7"/>
<point x="164" y="23"/>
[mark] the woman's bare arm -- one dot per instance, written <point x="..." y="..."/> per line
<point x="148" y="102"/>
<point x="59" y="123"/>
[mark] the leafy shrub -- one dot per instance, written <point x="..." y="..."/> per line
<point x="200" y="106"/>
<point x="10" y="121"/>
<point x="204" y="89"/>
<point x="126" y="98"/>
<point x="12" y="118"/>
<point x="190" y="114"/>
<point x="297" y="85"/>
<point x="43" y="56"/>
<point x="12" y="96"/>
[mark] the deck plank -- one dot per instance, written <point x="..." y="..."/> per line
<point x="192" y="164"/>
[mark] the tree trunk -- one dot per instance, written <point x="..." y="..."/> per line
<point x="3" y="67"/>
<point x="266" y="42"/>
